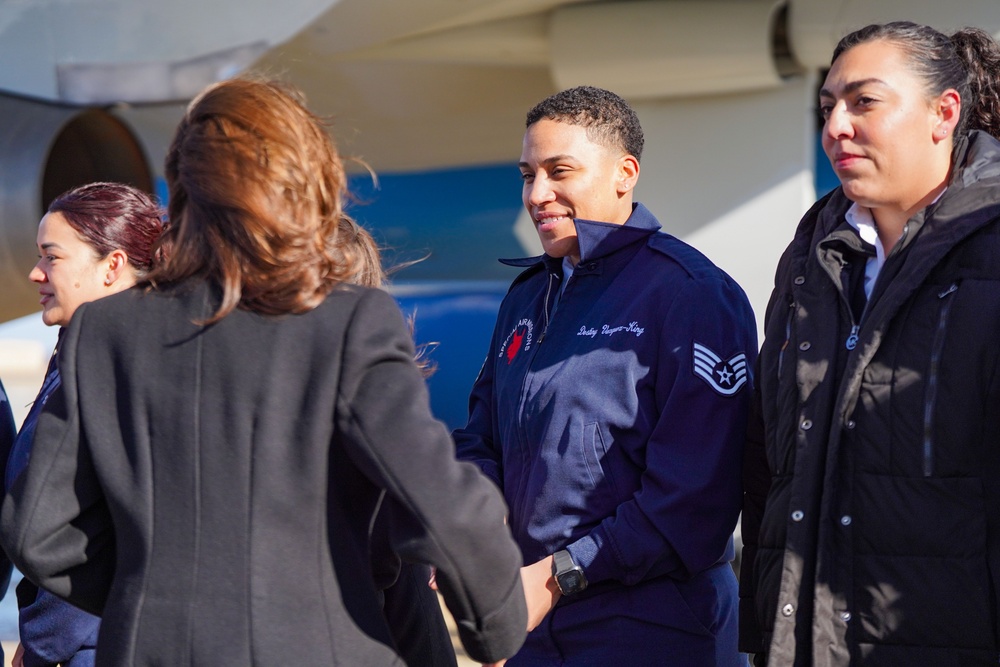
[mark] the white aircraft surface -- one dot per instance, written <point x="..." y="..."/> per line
<point x="431" y="94"/>
<point x="725" y="89"/>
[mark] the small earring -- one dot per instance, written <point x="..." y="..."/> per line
<point x="107" y="281"/>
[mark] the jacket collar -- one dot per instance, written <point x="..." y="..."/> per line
<point x="600" y="239"/>
<point x="971" y="201"/>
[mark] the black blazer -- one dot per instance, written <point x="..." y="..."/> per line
<point x="210" y="490"/>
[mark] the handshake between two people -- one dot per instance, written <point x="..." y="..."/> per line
<point x="541" y="593"/>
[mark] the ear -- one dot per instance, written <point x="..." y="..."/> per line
<point x="117" y="266"/>
<point x="628" y="174"/>
<point x="948" y="109"/>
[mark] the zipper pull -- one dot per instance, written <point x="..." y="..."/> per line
<point x="852" y="340"/>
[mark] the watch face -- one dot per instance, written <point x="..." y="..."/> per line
<point x="570" y="582"/>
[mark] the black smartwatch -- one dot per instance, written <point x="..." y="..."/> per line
<point x="569" y="576"/>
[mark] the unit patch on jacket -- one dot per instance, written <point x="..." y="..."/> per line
<point x="518" y="339"/>
<point x="726" y="376"/>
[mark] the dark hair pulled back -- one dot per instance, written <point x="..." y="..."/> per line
<point x="111" y="216"/>
<point x="968" y="61"/>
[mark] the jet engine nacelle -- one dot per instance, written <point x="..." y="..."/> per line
<point x="46" y="149"/>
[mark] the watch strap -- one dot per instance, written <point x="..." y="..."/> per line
<point x="561" y="562"/>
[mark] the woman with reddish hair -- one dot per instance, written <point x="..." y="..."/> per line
<point x="94" y="241"/>
<point x="208" y="474"/>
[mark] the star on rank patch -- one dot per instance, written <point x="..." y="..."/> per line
<point x="725" y="376"/>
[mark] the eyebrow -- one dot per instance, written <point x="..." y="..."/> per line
<point x="853" y="85"/>
<point x="50" y="245"/>
<point x="551" y="160"/>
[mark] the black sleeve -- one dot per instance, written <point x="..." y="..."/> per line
<point x="756" y="484"/>
<point x="442" y="511"/>
<point x="55" y="524"/>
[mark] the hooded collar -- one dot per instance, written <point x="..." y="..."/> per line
<point x="971" y="201"/>
<point x="600" y="239"/>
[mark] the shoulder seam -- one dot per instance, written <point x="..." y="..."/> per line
<point x="686" y="256"/>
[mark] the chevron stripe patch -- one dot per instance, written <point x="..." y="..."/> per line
<point x="726" y="376"/>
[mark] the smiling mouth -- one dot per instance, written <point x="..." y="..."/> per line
<point x="547" y="221"/>
<point x="550" y="224"/>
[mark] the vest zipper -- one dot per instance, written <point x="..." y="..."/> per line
<point x="932" y="379"/>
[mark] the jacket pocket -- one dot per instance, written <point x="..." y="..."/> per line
<point x="930" y="398"/>
<point x="594" y="451"/>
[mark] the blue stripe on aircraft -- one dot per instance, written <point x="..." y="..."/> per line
<point x="461" y="220"/>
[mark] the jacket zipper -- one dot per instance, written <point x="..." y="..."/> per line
<point x="545" y="308"/>
<point x="518" y="501"/>
<point x="852" y="338"/>
<point x="932" y="380"/>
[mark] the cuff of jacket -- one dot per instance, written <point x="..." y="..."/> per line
<point x="499" y="635"/>
<point x="586" y="553"/>
<point x="26" y="592"/>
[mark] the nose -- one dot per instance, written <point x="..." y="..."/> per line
<point x="36" y="275"/>
<point x="538" y="191"/>
<point x="838" y="123"/>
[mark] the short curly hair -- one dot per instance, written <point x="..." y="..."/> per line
<point x="608" y="118"/>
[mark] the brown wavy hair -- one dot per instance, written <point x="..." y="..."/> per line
<point x="256" y="201"/>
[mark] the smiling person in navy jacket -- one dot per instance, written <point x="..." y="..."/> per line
<point x="612" y="407"/>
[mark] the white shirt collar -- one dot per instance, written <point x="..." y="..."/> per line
<point x="860" y="217"/>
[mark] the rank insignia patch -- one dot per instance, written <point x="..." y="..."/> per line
<point x="726" y="376"/>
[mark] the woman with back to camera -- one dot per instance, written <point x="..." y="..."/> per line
<point x="94" y="241"/>
<point x="879" y="458"/>
<point x="207" y="473"/>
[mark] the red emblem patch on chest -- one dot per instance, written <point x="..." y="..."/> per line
<point x="515" y="346"/>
